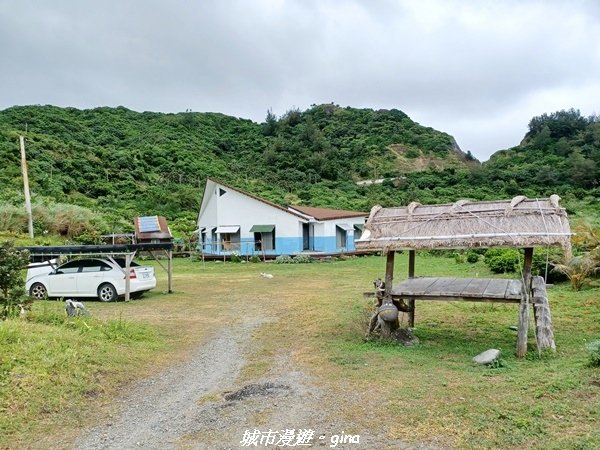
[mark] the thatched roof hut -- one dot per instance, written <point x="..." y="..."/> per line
<point x="520" y="222"/>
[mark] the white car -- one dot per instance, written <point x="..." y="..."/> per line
<point x="103" y="278"/>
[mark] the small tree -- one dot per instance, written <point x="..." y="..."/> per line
<point x="12" y="286"/>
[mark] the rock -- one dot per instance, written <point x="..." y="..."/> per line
<point x="406" y="337"/>
<point x="514" y="328"/>
<point x="487" y="357"/>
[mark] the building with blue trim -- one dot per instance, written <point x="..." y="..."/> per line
<point x="234" y="221"/>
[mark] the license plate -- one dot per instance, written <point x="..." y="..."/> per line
<point x="145" y="275"/>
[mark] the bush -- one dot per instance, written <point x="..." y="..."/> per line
<point x="539" y="265"/>
<point x="302" y="259"/>
<point x="13" y="298"/>
<point x="503" y="260"/>
<point x="284" y="259"/>
<point x="236" y="258"/>
<point x="472" y="256"/>
<point x="254" y="259"/>
<point x="594" y="350"/>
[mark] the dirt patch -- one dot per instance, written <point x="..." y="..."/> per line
<point x="253" y="390"/>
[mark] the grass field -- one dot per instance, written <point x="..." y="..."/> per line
<point x="55" y="371"/>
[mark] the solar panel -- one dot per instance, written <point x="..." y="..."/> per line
<point x="148" y="224"/>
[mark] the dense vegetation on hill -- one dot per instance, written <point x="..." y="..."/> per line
<point x="110" y="164"/>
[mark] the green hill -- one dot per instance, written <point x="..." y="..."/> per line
<point x="110" y="164"/>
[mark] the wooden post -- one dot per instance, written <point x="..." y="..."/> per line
<point x="387" y="326"/>
<point x="527" y="270"/>
<point x="524" y="306"/>
<point x="541" y="313"/>
<point x="128" y="258"/>
<point x="389" y="274"/>
<point x="26" y="186"/>
<point x="170" y="271"/>
<point x="411" y="301"/>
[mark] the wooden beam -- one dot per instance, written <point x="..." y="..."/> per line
<point x="527" y="263"/>
<point x="524" y="306"/>
<point x="170" y="271"/>
<point x="411" y="301"/>
<point x="523" y="329"/>
<point x="389" y="273"/>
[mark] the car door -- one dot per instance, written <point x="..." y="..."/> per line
<point x="90" y="277"/>
<point x="63" y="281"/>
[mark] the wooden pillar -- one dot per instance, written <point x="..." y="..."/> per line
<point x="524" y="306"/>
<point x="527" y="269"/>
<point x="389" y="274"/>
<point x="128" y="258"/>
<point x="388" y="324"/>
<point x="170" y="271"/>
<point x="411" y="301"/>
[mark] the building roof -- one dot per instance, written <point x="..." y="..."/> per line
<point x="262" y="200"/>
<point x="326" y="213"/>
<point x="519" y="222"/>
<point x="299" y="211"/>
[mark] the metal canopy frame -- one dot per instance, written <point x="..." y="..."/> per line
<point x="110" y="251"/>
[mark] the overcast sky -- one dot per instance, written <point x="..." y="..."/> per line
<point x="478" y="70"/>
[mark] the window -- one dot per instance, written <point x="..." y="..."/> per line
<point x="70" y="267"/>
<point x="341" y="237"/>
<point x="264" y="237"/>
<point x="94" y="266"/>
<point x="229" y="238"/>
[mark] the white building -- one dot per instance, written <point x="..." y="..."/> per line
<point x="232" y="220"/>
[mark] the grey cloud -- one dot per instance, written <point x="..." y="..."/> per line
<point x="446" y="63"/>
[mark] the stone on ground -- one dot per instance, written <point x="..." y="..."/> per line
<point x="487" y="357"/>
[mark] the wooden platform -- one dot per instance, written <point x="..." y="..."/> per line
<point x="460" y="289"/>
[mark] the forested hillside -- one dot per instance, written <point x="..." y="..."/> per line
<point x="110" y="164"/>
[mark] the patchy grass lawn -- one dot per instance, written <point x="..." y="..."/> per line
<point x="427" y="393"/>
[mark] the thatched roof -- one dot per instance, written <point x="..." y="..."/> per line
<point x="519" y="222"/>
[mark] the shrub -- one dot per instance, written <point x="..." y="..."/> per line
<point x="254" y="259"/>
<point x="472" y="256"/>
<point x="539" y="265"/>
<point x="284" y="259"/>
<point x="235" y="258"/>
<point x="460" y="258"/>
<point x="503" y="260"/>
<point x="302" y="259"/>
<point x="594" y="350"/>
<point x="12" y="286"/>
<point x="579" y="270"/>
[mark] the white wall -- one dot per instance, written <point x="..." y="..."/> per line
<point x="234" y="208"/>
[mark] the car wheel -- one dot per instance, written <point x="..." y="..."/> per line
<point x="107" y="292"/>
<point x="38" y="291"/>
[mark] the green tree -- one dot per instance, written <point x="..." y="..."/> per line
<point x="269" y="128"/>
<point x="582" y="170"/>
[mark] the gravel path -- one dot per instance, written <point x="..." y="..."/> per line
<point x="162" y="409"/>
<point x="200" y="404"/>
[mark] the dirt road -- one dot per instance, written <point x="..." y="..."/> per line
<point x="201" y="404"/>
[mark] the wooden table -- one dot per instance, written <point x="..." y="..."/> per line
<point x="459" y="289"/>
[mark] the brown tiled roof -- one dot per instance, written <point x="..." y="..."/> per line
<point x="328" y="214"/>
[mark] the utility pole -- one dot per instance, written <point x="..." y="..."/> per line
<point x="26" y="187"/>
